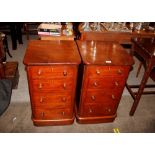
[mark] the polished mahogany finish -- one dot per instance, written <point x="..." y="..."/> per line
<point x="104" y="72"/>
<point x="52" y="74"/>
<point x="144" y="48"/>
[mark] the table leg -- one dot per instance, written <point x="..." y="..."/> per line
<point x="141" y="88"/>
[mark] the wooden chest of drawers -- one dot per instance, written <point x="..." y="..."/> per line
<point x="105" y="70"/>
<point x="52" y="74"/>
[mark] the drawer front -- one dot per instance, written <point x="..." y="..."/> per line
<point x="52" y="84"/>
<point x="102" y="97"/>
<point x="106" y="82"/>
<point x="50" y="71"/>
<point x="51" y="100"/>
<point x="100" y="71"/>
<point x="48" y="114"/>
<point x="98" y="110"/>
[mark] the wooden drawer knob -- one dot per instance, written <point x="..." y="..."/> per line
<point x="113" y="96"/>
<point x="40" y="86"/>
<point x="109" y="110"/>
<point x="95" y="84"/>
<point x="39" y="72"/>
<point x="97" y="71"/>
<point x="65" y="73"/>
<point x="116" y="83"/>
<point x="90" y="111"/>
<point x="63" y="99"/>
<point x="93" y="97"/>
<point x="64" y="85"/>
<point x="41" y="100"/>
<point x="119" y="71"/>
<point x="63" y="113"/>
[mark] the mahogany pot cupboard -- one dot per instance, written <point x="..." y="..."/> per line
<point x="88" y="76"/>
<point x="105" y="68"/>
<point x="52" y="74"/>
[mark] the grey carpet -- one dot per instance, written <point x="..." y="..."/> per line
<point x="17" y="118"/>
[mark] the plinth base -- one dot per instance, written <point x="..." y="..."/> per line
<point x="52" y="122"/>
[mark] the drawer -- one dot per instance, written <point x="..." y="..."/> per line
<point x="98" y="110"/>
<point x="50" y="71"/>
<point x="52" y="84"/>
<point x="100" y="71"/>
<point x="52" y="100"/>
<point x="106" y="82"/>
<point x="101" y="97"/>
<point x="48" y="114"/>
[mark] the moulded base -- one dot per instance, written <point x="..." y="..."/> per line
<point x="53" y="122"/>
<point x="97" y="119"/>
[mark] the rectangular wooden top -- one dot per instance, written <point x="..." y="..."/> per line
<point x="45" y="52"/>
<point x="103" y="53"/>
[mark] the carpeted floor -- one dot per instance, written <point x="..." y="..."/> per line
<point x="17" y="118"/>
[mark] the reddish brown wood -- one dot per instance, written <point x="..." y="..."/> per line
<point x="105" y="71"/>
<point x="52" y="74"/>
<point x="106" y="53"/>
<point x="54" y="100"/>
<point x="9" y="70"/>
<point x="145" y="48"/>
<point x="43" y="52"/>
<point x="120" y="37"/>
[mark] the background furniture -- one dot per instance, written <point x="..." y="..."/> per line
<point x="8" y="80"/>
<point x="15" y="30"/>
<point x="61" y="37"/>
<point x="3" y="39"/>
<point x="16" y="34"/>
<point x="31" y="28"/>
<point x="103" y="74"/>
<point x="145" y="49"/>
<point x="120" y="37"/>
<point x="8" y="70"/>
<point x="52" y="74"/>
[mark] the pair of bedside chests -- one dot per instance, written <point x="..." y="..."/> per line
<point x="75" y="79"/>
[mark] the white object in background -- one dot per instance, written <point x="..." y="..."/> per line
<point x="86" y="27"/>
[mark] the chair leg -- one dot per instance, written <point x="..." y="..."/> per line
<point x="138" y="71"/>
<point x="26" y="30"/>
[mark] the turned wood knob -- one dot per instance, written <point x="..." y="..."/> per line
<point x="116" y="83"/>
<point x="40" y="86"/>
<point x="63" y="99"/>
<point x="39" y="72"/>
<point x="64" y="85"/>
<point x="109" y="110"/>
<point x="119" y="71"/>
<point x="95" y="84"/>
<point x="65" y="73"/>
<point x="41" y="100"/>
<point x="63" y="113"/>
<point x="90" y="110"/>
<point x="93" y="97"/>
<point x="97" y="71"/>
<point x="112" y="96"/>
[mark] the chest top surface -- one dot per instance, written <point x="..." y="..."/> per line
<point x="103" y="53"/>
<point x="45" y="52"/>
